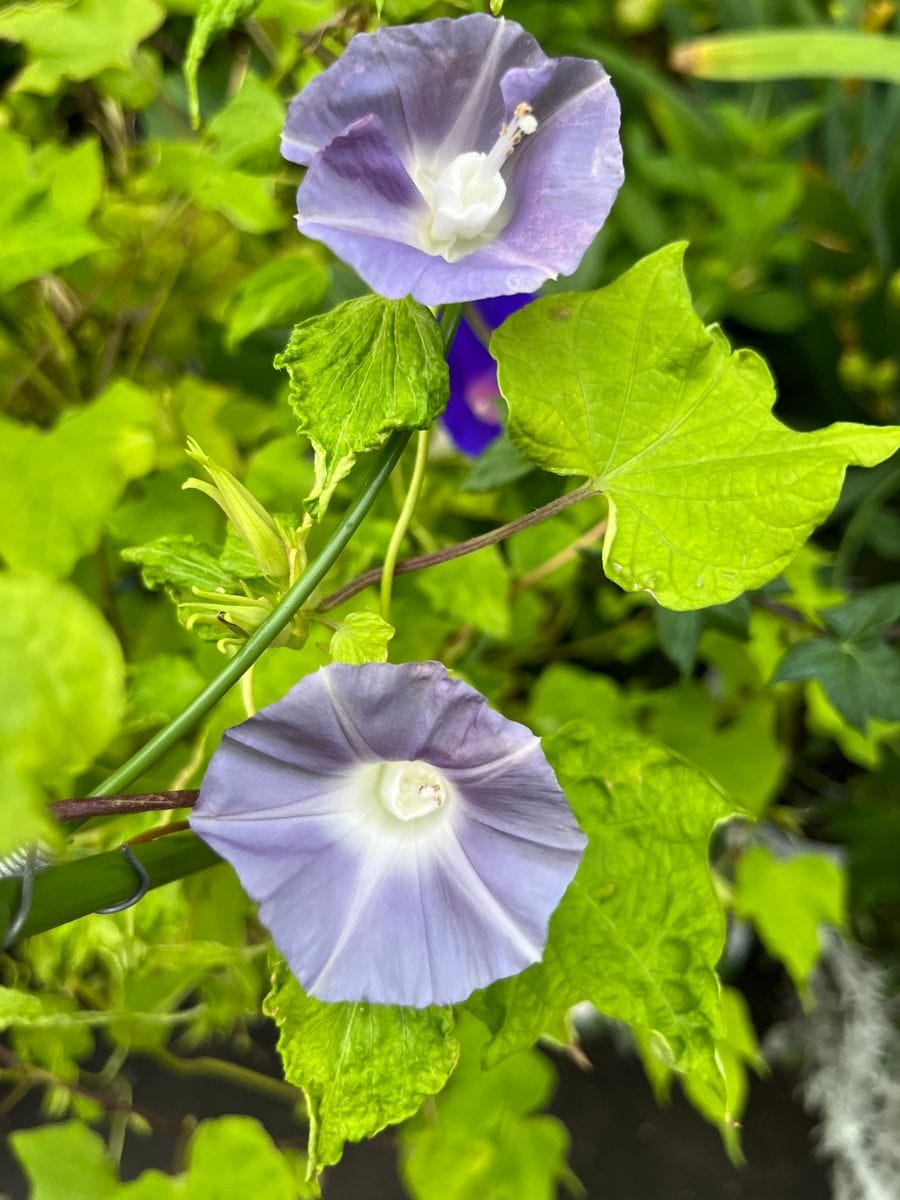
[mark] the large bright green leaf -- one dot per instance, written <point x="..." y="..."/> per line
<point x="738" y="1051"/>
<point x="76" y="41"/>
<point x="788" y="900"/>
<point x="367" y="367"/>
<point x="709" y="495"/>
<point x="61" y="696"/>
<point x="639" y="931"/>
<point x="361" y="1066"/>
<point x="57" y="488"/>
<point x="482" y="1138"/>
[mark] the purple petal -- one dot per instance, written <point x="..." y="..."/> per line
<point x="377" y="196"/>
<point x="432" y="85"/>
<point x="566" y="177"/>
<point x="367" y="904"/>
<point x="472" y="415"/>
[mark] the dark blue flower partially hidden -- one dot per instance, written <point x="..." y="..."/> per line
<point x="472" y="417"/>
<point x="406" y="843"/>
<point x="453" y="160"/>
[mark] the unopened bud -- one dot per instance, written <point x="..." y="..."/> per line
<point x="255" y="526"/>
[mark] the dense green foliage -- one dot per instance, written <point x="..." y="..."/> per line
<point x="708" y="636"/>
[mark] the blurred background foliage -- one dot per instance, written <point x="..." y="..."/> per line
<point x="150" y="271"/>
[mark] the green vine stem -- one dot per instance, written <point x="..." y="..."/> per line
<point x="74" y="889"/>
<point x="423" y="441"/>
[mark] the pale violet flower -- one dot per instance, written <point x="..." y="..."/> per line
<point x="453" y="160"/>
<point x="406" y="843"/>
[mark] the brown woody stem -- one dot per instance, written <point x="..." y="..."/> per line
<point x="421" y="561"/>
<point x="121" y="806"/>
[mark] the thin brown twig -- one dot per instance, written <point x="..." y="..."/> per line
<point x="421" y="561"/>
<point x="121" y="806"/>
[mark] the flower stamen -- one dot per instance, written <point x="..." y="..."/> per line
<point x="469" y="192"/>
<point x="411" y="789"/>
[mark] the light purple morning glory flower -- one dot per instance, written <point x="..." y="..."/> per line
<point x="472" y="416"/>
<point x="453" y="160"/>
<point x="406" y="843"/>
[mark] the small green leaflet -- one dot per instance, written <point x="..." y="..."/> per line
<point x="180" y="563"/>
<point x="76" y="41"/>
<point x="500" y="464"/>
<point x="159" y="687"/>
<point x="248" y="129"/>
<point x="859" y="671"/>
<point x="709" y="495"/>
<point x="361" y="637"/>
<point x="63" y="685"/>
<point x="639" y="931"/>
<point x="361" y="1066"/>
<point x="483" y="1138"/>
<point x="357" y="372"/>
<point x="736" y="746"/>
<point x="245" y="199"/>
<point x="213" y="17"/>
<point x="787" y="900"/>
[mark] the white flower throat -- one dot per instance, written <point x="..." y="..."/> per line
<point x="411" y="789"/>
<point x="468" y="193"/>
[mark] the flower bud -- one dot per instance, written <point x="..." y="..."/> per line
<point x="256" y="527"/>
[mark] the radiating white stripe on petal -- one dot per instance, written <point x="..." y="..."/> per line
<point x="357" y="742"/>
<point x="340" y="800"/>
<point x="375" y="866"/>
<point x="462" y="135"/>
<point x="476" y="892"/>
<point x="485" y="770"/>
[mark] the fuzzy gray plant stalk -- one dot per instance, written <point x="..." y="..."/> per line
<point x="851" y="1072"/>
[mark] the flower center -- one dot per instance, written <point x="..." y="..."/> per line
<point x="468" y="193"/>
<point x="411" y="789"/>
